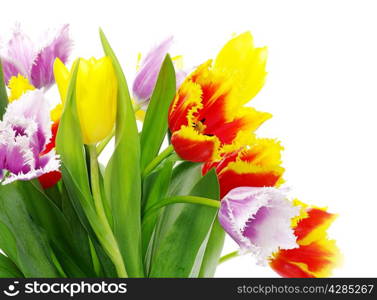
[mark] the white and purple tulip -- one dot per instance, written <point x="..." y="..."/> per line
<point x="259" y="220"/>
<point x="35" y="62"/>
<point x="146" y="77"/>
<point x="24" y="133"/>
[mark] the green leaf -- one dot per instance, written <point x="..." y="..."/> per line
<point x="213" y="251"/>
<point x="172" y="257"/>
<point x="155" y="122"/>
<point x="20" y="239"/>
<point x="3" y="93"/>
<point x="79" y="234"/>
<point x="155" y="188"/>
<point x="8" y="269"/>
<point x="184" y="178"/>
<point x="123" y="176"/>
<point x="47" y="215"/>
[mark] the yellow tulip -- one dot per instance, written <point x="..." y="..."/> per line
<point x="96" y="96"/>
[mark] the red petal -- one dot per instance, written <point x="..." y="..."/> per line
<point x="49" y="179"/>
<point x="51" y="144"/>
<point x="316" y="217"/>
<point x="230" y="180"/>
<point x="197" y="148"/>
<point x="287" y="269"/>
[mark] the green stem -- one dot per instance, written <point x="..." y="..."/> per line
<point x="101" y="146"/>
<point x="157" y="160"/>
<point x="180" y="199"/>
<point x="228" y="256"/>
<point x="111" y="245"/>
<point x="3" y="94"/>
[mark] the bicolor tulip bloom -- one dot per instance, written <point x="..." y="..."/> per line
<point x="249" y="161"/>
<point x="316" y="255"/>
<point x="259" y="220"/>
<point x="24" y="133"/>
<point x="18" y="86"/>
<point x="21" y="56"/>
<point x="96" y="96"/>
<point x="208" y="111"/>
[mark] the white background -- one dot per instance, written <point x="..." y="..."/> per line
<point x="321" y="89"/>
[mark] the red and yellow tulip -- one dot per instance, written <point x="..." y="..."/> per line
<point x="316" y="255"/>
<point x="208" y="111"/>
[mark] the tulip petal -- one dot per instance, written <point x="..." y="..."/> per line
<point x="191" y="145"/>
<point x="19" y="55"/>
<point x="244" y="65"/>
<point x="146" y="77"/>
<point x="244" y="174"/>
<point x="96" y="92"/>
<point x="258" y="219"/>
<point x="48" y="180"/>
<point x="58" y="45"/>
<point x="61" y="75"/>
<point x="248" y="161"/>
<point x="185" y="104"/>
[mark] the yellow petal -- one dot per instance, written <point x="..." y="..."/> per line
<point x="62" y="76"/>
<point x="245" y="66"/>
<point x="56" y="112"/>
<point x="96" y="91"/>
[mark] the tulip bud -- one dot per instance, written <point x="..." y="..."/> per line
<point x="96" y="96"/>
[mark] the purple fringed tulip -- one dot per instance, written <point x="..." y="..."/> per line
<point x="24" y="133"/>
<point x="35" y="62"/>
<point x="259" y="220"/>
<point x="147" y="75"/>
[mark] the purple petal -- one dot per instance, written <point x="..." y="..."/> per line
<point x="19" y="55"/>
<point x="146" y="77"/>
<point x="58" y="46"/>
<point x="14" y="157"/>
<point x="9" y="69"/>
<point x="259" y="220"/>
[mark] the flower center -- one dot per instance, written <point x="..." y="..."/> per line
<point x="18" y="130"/>
<point x="200" y="127"/>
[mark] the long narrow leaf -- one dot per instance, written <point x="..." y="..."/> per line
<point x="213" y="251"/>
<point x="155" y="122"/>
<point x="3" y="94"/>
<point x="122" y="175"/>
<point x="8" y="269"/>
<point x="155" y="188"/>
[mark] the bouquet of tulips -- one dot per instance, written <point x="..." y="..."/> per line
<point x="186" y="167"/>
